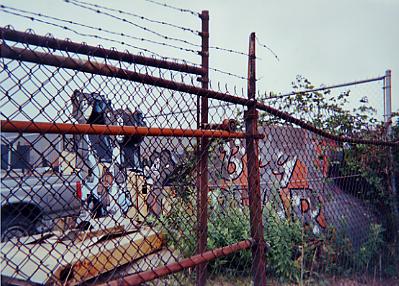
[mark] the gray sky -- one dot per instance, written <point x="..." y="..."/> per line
<point x="327" y="41"/>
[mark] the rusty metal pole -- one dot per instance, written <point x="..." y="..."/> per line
<point x="255" y="206"/>
<point x="202" y="198"/>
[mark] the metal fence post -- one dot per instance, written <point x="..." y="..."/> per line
<point x="255" y="206"/>
<point x="387" y="100"/>
<point x="202" y="198"/>
<point x="388" y="124"/>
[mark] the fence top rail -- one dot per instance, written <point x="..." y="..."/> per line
<point x="108" y="70"/>
<point x="95" y="51"/>
<point x="314" y="129"/>
<point x="327" y="87"/>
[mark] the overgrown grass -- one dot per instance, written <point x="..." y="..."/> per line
<point x="294" y="255"/>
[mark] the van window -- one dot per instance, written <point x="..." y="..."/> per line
<point x="20" y="157"/>
<point x="5" y="148"/>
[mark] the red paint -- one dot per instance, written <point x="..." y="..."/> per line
<point x="299" y="177"/>
<point x="79" y="190"/>
<point x="304" y="205"/>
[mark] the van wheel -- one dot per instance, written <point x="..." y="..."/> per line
<point x="14" y="226"/>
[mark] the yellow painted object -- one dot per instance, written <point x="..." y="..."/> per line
<point x="138" y="192"/>
<point x="70" y="258"/>
<point x="67" y="162"/>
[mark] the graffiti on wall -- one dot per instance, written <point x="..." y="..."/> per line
<point x="232" y="172"/>
<point x="289" y="174"/>
<point x="298" y="199"/>
<point x="295" y="179"/>
<point x="158" y="167"/>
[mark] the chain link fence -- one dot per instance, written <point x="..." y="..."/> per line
<point x="114" y="170"/>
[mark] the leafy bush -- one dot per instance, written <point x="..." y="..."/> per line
<point x="368" y="252"/>
<point x="226" y="226"/>
<point x="179" y="225"/>
<point x="337" y="256"/>
<point x="284" y="237"/>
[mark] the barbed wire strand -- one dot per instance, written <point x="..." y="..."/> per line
<point x="228" y="73"/>
<point x="268" y="48"/>
<point x="231" y="51"/>
<point x="184" y="10"/>
<point x="226" y="104"/>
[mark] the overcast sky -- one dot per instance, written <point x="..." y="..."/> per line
<point x="327" y="41"/>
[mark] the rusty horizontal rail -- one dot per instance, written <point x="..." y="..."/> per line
<point x="84" y="49"/>
<point x="326" y="87"/>
<point x="312" y="128"/>
<point x="68" y="128"/>
<point x="112" y="71"/>
<point x="146" y="276"/>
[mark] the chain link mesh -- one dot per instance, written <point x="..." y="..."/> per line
<point x="86" y="200"/>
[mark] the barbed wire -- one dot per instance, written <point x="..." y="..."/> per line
<point x="2" y="8"/>
<point x="191" y="110"/>
<point x="266" y="47"/>
<point x="228" y="73"/>
<point x="101" y="29"/>
<point x="231" y="51"/>
<point x="98" y="11"/>
<point x="140" y="17"/>
<point x="93" y="35"/>
<point x="184" y="10"/>
<point x="123" y="43"/>
<point x="218" y="48"/>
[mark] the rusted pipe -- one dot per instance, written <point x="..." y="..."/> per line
<point x="112" y="71"/>
<point x="68" y="128"/>
<point x="84" y="49"/>
<point x="326" y="87"/>
<point x="146" y="276"/>
<point x="310" y="127"/>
